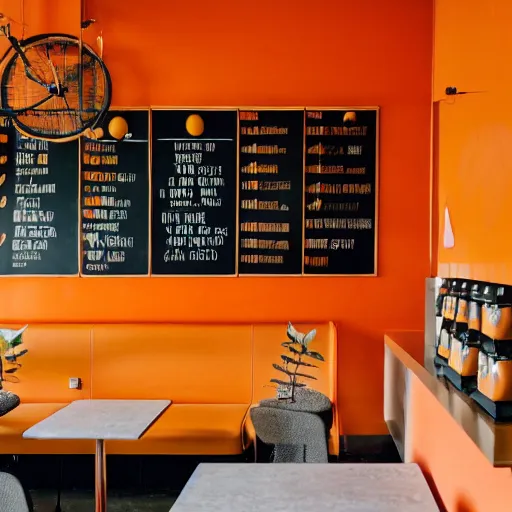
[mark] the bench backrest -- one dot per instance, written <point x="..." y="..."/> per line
<point x="193" y="363"/>
<point x="185" y="363"/>
<point x="56" y="352"/>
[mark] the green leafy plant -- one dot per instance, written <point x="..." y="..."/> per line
<point x="10" y="341"/>
<point x="298" y="350"/>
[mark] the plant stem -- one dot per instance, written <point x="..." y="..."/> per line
<point x="291" y="380"/>
<point x="297" y="364"/>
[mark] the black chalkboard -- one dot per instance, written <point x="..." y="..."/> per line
<point x="340" y="192"/>
<point x="115" y="196"/>
<point x="194" y="192"/>
<point x="271" y="191"/>
<point x="38" y="205"/>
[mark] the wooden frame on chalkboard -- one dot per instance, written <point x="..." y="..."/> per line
<point x="198" y="109"/>
<point x="283" y="109"/>
<point x="80" y="256"/>
<point x="375" y="109"/>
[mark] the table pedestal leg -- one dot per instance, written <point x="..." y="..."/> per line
<point x="101" y="477"/>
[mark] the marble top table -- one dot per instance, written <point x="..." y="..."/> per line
<point x="100" y="420"/>
<point x="306" y="488"/>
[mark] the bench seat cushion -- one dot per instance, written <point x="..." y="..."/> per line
<point x="190" y="429"/>
<point x="14" y="423"/>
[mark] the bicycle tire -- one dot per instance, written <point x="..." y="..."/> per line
<point x="56" y="124"/>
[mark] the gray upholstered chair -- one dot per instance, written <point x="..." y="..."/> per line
<point x="297" y="436"/>
<point x="8" y="400"/>
<point x="12" y="494"/>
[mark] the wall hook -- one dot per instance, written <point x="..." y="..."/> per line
<point x="452" y="91"/>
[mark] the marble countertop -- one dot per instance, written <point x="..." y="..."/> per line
<point x="99" y="419"/>
<point x="306" y="488"/>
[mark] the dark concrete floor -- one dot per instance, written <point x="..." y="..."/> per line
<point x="82" y="501"/>
<point x="128" y="476"/>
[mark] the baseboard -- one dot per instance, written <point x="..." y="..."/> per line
<point x="368" y="448"/>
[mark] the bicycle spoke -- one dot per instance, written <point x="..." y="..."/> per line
<point x="74" y="119"/>
<point x="39" y="73"/>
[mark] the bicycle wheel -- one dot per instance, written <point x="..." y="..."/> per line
<point x="55" y="58"/>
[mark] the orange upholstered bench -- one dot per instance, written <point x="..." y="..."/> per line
<point x="56" y="352"/>
<point x="212" y="374"/>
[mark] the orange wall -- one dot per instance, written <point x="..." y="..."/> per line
<point x="288" y="52"/>
<point x="41" y="17"/>
<point x="472" y="52"/>
<point x="456" y="469"/>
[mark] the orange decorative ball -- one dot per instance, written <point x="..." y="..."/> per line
<point x="350" y="118"/>
<point x="118" y="127"/>
<point x="194" y="125"/>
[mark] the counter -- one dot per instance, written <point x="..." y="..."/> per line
<point x="464" y="454"/>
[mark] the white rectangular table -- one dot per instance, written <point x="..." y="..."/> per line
<point x="306" y="488"/>
<point x="100" y="420"/>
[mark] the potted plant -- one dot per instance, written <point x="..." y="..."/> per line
<point x="298" y="420"/>
<point x="10" y="340"/>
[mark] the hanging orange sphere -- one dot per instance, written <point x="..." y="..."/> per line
<point x="194" y="125"/>
<point x="118" y="127"/>
<point x="350" y="118"/>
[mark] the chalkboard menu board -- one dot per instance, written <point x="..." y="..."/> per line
<point x="340" y="192"/>
<point x="194" y="177"/>
<point x="115" y="196"/>
<point x="271" y="191"/>
<point x="38" y="205"/>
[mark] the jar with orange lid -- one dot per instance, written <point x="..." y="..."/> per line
<point x="462" y="366"/>
<point x="494" y="381"/>
<point x="444" y="339"/>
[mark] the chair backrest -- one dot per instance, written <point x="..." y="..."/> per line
<point x="12" y="494"/>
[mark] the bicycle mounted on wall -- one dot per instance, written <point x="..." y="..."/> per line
<point x="52" y="86"/>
